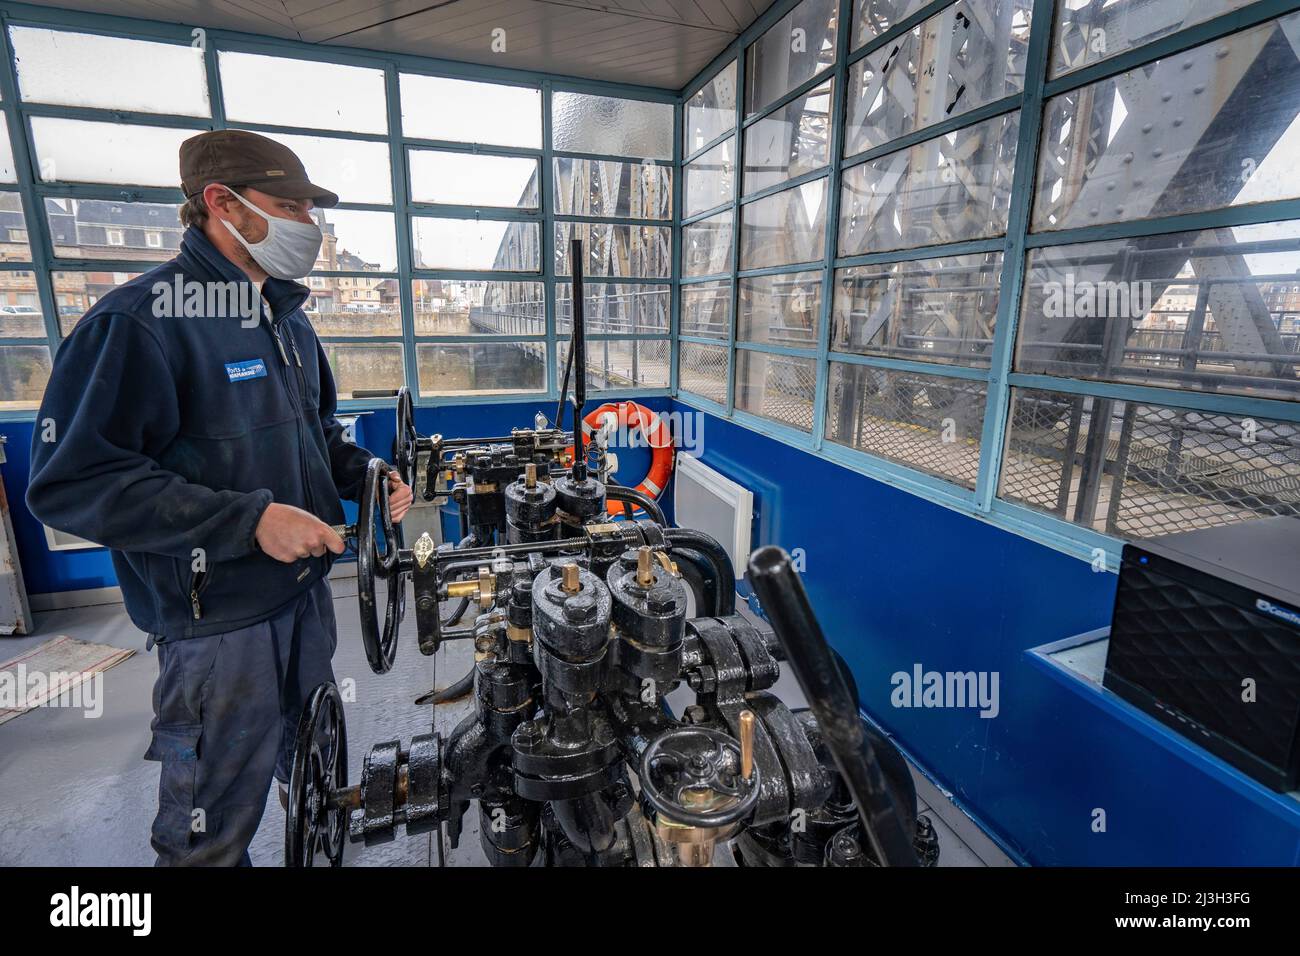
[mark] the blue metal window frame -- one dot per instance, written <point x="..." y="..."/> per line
<point x="981" y="503"/>
<point x="33" y="191"/>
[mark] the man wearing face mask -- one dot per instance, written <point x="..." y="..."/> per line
<point x="204" y="451"/>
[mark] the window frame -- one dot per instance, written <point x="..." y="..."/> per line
<point x="999" y="378"/>
<point x="32" y="190"/>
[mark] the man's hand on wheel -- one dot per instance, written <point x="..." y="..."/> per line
<point x="399" y="496"/>
<point x="287" y="534"/>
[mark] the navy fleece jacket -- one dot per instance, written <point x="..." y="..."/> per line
<point x="164" y="437"/>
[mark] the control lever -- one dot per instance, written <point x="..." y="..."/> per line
<point x="784" y="600"/>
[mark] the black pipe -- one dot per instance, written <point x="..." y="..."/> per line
<point x="615" y="492"/>
<point x="785" y="602"/>
<point x="457" y="614"/>
<point x="697" y="571"/>
<point x="716" y="556"/>
<point x="578" y="349"/>
<point x="451" y="692"/>
<point x="564" y="390"/>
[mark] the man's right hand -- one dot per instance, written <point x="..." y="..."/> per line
<point x="288" y="534"/>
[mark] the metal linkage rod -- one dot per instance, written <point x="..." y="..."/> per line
<point x="786" y="605"/>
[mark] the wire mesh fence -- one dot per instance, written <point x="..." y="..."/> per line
<point x="1137" y="470"/>
<point x="929" y="422"/>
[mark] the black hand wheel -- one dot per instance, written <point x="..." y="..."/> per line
<point x="406" y="440"/>
<point x="314" y="819"/>
<point x="692" y="776"/>
<point x="381" y="646"/>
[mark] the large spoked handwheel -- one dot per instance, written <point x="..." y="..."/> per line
<point x="315" y="820"/>
<point x="381" y="646"/>
<point x="405" y="447"/>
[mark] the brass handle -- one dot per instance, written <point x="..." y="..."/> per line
<point x="746" y="743"/>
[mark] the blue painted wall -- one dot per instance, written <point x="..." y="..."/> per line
<point x="899" y="581"/>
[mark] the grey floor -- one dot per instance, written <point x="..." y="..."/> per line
<point x="76" y="791"/>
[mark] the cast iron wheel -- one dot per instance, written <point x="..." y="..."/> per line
<point x="405" y="440"/>
<point x="381" y="647"/>
<point x="313" y="820"/>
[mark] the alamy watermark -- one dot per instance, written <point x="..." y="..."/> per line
<point x="74" y="908"/>
<point x="685" y="429"/>
<point x="21" y="689"/>
<point x="946" y="689"/>
<point x="184" y="298"/>
<point x="1085" y="299"/>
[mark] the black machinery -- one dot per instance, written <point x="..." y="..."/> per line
<point x="573" y="754"/>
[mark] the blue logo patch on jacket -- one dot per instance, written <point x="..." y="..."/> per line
<point x="253" y="368"/>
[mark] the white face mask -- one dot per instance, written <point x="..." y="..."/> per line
<point x="290" y="248"/>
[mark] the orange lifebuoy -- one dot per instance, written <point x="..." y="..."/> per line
<point x="631" y="415"/>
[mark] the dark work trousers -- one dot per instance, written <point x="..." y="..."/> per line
<point x="226" y="711"/>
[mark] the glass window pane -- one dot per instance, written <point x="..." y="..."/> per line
<point x="358" y="170"/>
<point x="711" y="178"/>
<point x="104" y="72"/>
<point x="354" y="305"/>
<point x="1210" y="127"/>
<point x="780" y="309"/>
<point x="453" y="307"/>
<point x="473" y="179"/>
<point x="597" y="361"/>
<point x="476" y="244"/>
<point x="871" y="18"/>
<point x="621" y="363"/>
<point x="795" y="49"/>
<point x="706" y="309"/>
<point x="463" y="111"/>
<point x="596" y="187"/>
<point x="74" y="294"/>
<point x="786" y="227"/>
<point x="779" y="387"/>
<point x="947" y="189"/>
<point x="122" y="153"/>
<point x="1217" y="310"/>
<point x="24" y="370"/>
<point x="611" y="250"/>
<point x="362" y="367"/>
<point x="970" y="54"/>
<point x="712" y="110"/>
<point x="584" y="123"/>
<point x="934" y="310"/>
<point x="8" y="174"/>
<point x="1163" y="469"/>
<point x="306" y="93"/>
<point x="15" y="244"/>
<point x="926" y="422"/>
<point x="702" y="369"/>
<point x="1092" y="30"/>
<point x="21" y="316"/>
<point x="108" y="229"/>
<point x="356" y="240"/>
<point x="653" y="363"/>
<point x="706" y="246"/>
<point x="490" y="368"/>
<point x="790" y="142"/>
<point x="610" y="307"/>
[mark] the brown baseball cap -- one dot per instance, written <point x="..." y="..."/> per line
<point x="236" y="157"/>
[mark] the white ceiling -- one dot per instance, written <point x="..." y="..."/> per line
<point x="661" y="43"/>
